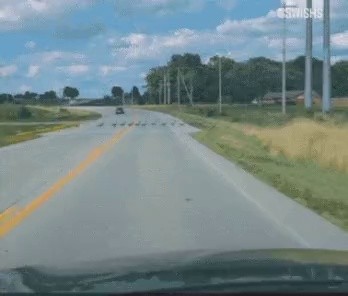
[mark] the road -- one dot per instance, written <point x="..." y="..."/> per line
<point x="104" y="191"/>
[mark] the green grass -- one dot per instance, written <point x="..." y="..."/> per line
<point x="10" y="134"/>
<point x="10" y="112"/>
<point x="261" y="116"/>
<point x="322" y="189"/>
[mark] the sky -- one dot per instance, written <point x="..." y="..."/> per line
<point x="95" y="44"/>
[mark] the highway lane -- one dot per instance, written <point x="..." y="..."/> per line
<point x="149" y="189"/>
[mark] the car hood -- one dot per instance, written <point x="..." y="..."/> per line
<point x="180" y="270"/>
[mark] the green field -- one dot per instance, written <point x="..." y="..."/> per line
<point x="320" y="187"/>
<point x="11" y="112"/>
<point x="261" y="116"/>
<point x="12" y="134"/>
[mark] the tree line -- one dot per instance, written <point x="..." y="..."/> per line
<point x="46" y="97"/>
<point x="188" y="78"/>
<point x="241" y="81"/>
<point x="118" y="97"/>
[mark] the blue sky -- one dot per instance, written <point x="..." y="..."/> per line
<point x="94" y="44"/>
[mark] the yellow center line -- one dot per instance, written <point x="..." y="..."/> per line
<point x="14" y="216"/>
<point x="9" y="212"/>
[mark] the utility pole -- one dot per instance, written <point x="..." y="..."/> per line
<point x="187" y="91"/>
<point x="191" y="96"/>
<point x="159" y="92"/>
<point x="326" y="105"/>
<point x="220" y="86"/>
<point x="169" y="94"/>
<point x="309" y="60"/>
<point x="284" y="62"/>
<point x="132" y="95"/>
<point x="178" y="86"/>
<point x="165" y="89"/>
<point x="285" y="6"/>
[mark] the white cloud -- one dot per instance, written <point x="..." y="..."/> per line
<point x="338" y="58"/>
<point x="303" y="3"/>
<point x="38" y="5"/>
<point x="7" y="14"/>
<point x="158" y="7"/>
<point x="227" y="4"/>
<point x="260" y="25"/>
<point x="76" y="69"/>
<point x="33" y="71"/>
<point x="53" y="56"/>
<point x="340" y="40"/>
<point x="152" y="47"/>
<point x="180" y="38"/>
<point x="291" y="43"/>
<point x="30" y="45"/>
<point x="9" y="70"/>
<point x="24" y="88"/>
<point x="106" y="70"/>
<point x="15" y="14"/>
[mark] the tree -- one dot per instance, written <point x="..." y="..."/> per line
<point x="135" y="93"/>
<point x="5" y="98"/>
<point x="117" y="92"/>
<point x="48" y="96"/>
<point x="29" y="95"/>
<point x="340" y="79"/>
<point x="71" y="92"/>
<point x="241" y="81"/>
<point x="145" y="98"/>
<point x="24" y="113"/>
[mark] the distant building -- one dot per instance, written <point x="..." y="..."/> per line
<point x="294" y="97"/>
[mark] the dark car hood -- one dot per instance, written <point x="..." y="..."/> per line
<point x="181" y="270"/>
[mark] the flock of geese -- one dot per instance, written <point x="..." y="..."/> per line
<point x="139" y="123"/>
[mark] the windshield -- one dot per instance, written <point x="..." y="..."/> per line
<point x="136" y="128"/>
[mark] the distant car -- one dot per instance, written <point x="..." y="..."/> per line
<point x="119" y="110"/>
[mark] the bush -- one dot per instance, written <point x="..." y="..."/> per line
<point x="210" y="112"/>
<point x="24" y="113"/>
<point x="63" y="110"/>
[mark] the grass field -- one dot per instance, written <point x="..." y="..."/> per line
<point x="10" y="134"/>
<point x="10" y="112"/>
<point x="323" y="143"/>
<point x="302" y="155"/>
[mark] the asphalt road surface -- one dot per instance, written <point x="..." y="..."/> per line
<point x="110" y="189"/>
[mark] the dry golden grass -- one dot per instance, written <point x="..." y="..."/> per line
<point x="341" y="102"/>
<point x="324" y="143"/>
